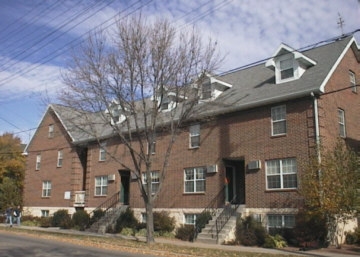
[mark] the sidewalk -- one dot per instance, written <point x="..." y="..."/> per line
<point x="346" y="251"/>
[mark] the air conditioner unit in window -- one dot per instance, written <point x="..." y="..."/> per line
<point x="211" y="169"/>
<point x="111" y="177"/>
<point x="254" y="165"/>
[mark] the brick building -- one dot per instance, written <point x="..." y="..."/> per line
<point x="265" y="122"/>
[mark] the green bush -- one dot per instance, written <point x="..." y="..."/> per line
<point x="163" y="222"/>
<point x="126" y="220"/>
<point x="276" y="241"/>
<point x="97" y="214"/>
<point x="250" y="232"/>
<point x="61" y="218"/>
<point x="81" y="219"/>
<point x="46" y="222"/>
<point x="185" y="232"/>
<point x="310" y="228"/>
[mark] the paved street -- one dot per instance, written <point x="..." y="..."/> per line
<point x="13" y="245"/>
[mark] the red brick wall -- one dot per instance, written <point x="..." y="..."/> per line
<point x="60" y="177"/>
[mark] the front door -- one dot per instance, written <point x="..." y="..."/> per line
<point x="235" y="181"/>
<point x="124" y="186"/>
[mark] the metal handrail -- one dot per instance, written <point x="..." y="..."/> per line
<point x="210" y="208"/>
<point x="225" y="215"/>
<point x="109" y="203"/>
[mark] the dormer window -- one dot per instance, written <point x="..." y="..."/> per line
<point x="165" y="103"/>
<point x="115" y="113"/>
<point x="286" y="68"/>
<point x="211" y="88"/>
<point x="289" y="64"/>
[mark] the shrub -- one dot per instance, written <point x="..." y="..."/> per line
<point x="97" y="214"/>
<point x="276" y="241"/>
<point x="250" y="232"/>
<point x="185" y="232"/>
<point x="46" y="222"/>
<point x="310" y="228"/>
<point x="353" y="237"/>
<point x="202" y="219"/>
<point x="61" y="219"/>
<point x="163" y="222"/>
<point x="126" y="220"/>
<point x="81" y="219"/>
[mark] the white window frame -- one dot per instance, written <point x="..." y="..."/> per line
<point x="281" y="168"/>
<point x="38" y="162"/>
<point x="194" y="136"/>
<point x="60" y="159"/>
<point x="278" y="116"/>
<point x="195" y="178"/>
<point x="102" y="152"/>
<point x="353" y="81"/>
<point x="283" y="221"/>
<point x="282" y="66"/>
<point x="188" y="217"/>
<point x="101" y="185"/>
<point x="45" y="213"/>
<point x="155" y="180"/>
<point x="206" y="91"/>
<point x="341" y="120"/>
<point x="46" y="188"/>
<point x="51" y="131"/>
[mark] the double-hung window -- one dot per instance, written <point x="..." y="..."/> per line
<point x="190" y="219"/>
<point x="101" y="185"/>
<point x="195" y="136"/>
<point x="341" y="117"/>
<point x="281" y="174"/>
<point x="46" y="188"/>
<point x="287" y="68"/>
<point x="276" y="221"/>
<point x="60" y="159"/>
<point x="352" y="81"/>
<point x="206" y="90"/>
<point x="51" y="131"/>
<point x="195" y="180"/>
<point x="38" y="162"/>
<point x="102" y="152"/>
<point x="155" y="181"/>
<point x="278" y="120"/>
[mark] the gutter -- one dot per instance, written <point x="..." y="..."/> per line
<point x="317" y="127"/>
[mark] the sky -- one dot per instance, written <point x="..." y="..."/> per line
<point x="36" y="38"/>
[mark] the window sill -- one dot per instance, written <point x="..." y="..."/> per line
<point x="279" y="190"/>
<point x="279" y="135"/>
<point x="194" y="193"/>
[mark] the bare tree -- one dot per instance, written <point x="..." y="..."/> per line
<point x="140" y="81"/>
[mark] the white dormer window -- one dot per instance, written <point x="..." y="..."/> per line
<point x="289" y="64"/>
<point x="211" y="88"/>
<point x="115" y="113"/>
<point x="286" y="68"/>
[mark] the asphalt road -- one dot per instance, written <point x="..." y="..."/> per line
<point x="13" y="245"/>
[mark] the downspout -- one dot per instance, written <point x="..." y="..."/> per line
<point x="317" y="127"/>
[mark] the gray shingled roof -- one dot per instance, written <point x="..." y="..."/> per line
<point x="251" y="87"/>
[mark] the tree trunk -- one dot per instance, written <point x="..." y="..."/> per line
<point x="149" y="223"/>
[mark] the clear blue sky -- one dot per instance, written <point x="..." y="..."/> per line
<point x="36" y="35"/>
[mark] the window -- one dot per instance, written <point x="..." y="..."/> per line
<point x="190" y="219"/>
<point x="101" y="185"/>
<point x="165" y="101"/>
<point x="195" y="136"/>
<point x="51" y="131"/>
<point x="38" y="162"/>
<point x="286" y="68"/>
<point x="341" y="116"/>
<point x="45" y="213"/>
<point x="60" y="159"/>
<point x="276" y="221"/>
<point x="152" y="147"/>
<point x="352" y="81"/>
<point x="194" y="180"/>
<point x="278" y="120"/>
<point x="281" y="174"/>
<point x="155" y="181"/>
<point x="46" y="189"/>
<point x="102" y="152"/>
<point x="206" y="90"/>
